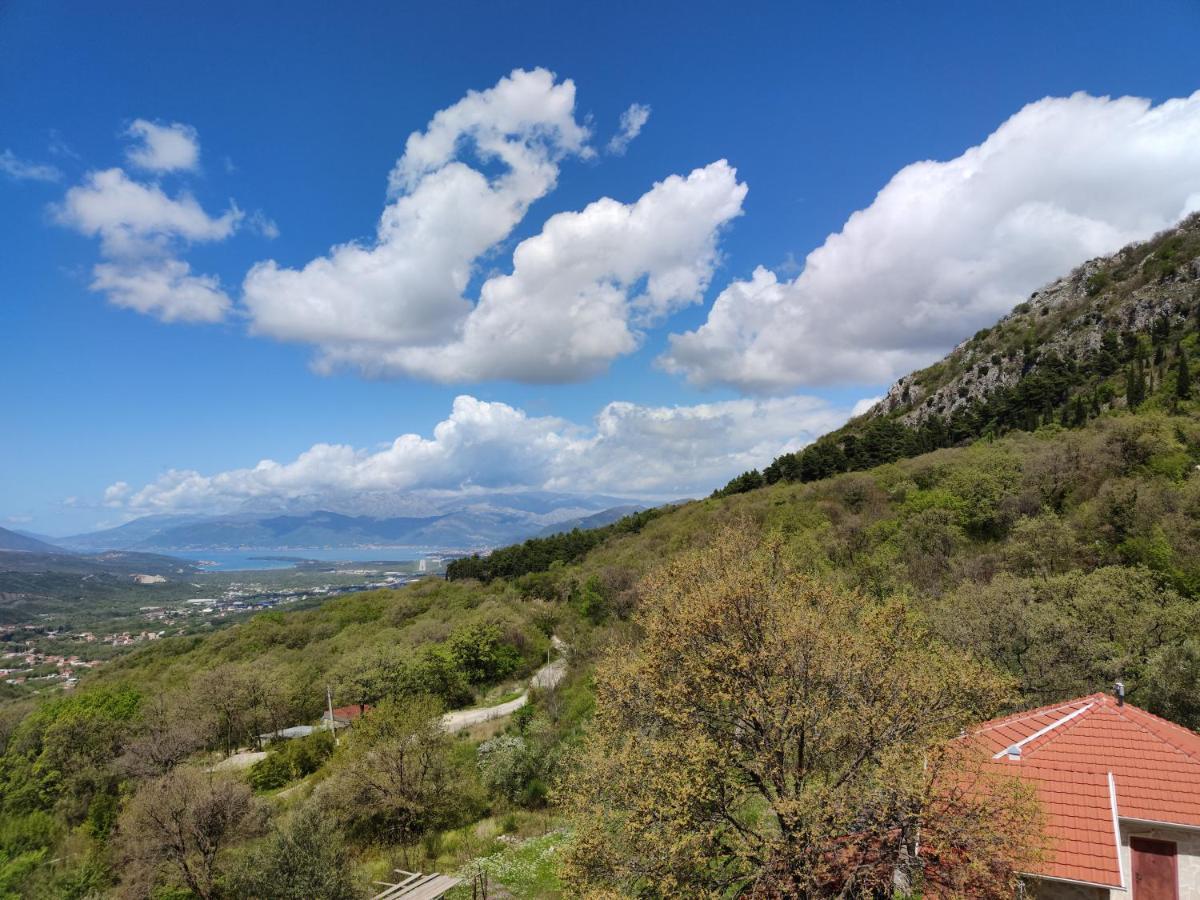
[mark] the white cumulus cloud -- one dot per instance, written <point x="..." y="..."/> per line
<point x="579" y="291"/>
<point x="948" y="247"/>
<point x="633" y="120"/>
<point x="661" y="452"/>
<point x="406" y="286"/>
<point x="163" y="148"/>
<point x="141" y="229"/>
<point x="165" y="288"/>
<point x="134" y="218"/>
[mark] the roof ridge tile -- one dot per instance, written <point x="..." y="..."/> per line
<point x="1012" y="718"/>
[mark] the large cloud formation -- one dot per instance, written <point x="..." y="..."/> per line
<point x="578" y="294"/>
<point x="948" y="247"/>
<point x="141" y="230"/>
<point x="663" y="452"/>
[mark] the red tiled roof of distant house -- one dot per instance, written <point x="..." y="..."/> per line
<point x="1092" y="761"/>
<point x="350" y="713"/>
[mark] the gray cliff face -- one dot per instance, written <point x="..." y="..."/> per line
<point x="1128" y="291"/>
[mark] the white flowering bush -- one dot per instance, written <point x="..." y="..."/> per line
<point x="528" y="869"/>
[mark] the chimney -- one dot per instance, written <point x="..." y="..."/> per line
<point x="1119" y="692"/>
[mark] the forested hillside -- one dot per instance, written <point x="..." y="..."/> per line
<point x="1053" y="549"/>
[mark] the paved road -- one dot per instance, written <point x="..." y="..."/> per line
<point x="465" y="718"/>
<point x="546" y="677"/>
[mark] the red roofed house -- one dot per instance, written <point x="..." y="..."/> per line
<point x="344" y="715"/>
<point x="1120" y="789"/>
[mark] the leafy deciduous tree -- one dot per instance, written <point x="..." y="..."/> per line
<point x="778" y="737"/>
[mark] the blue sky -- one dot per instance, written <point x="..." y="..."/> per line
<point x="299" y="112"/>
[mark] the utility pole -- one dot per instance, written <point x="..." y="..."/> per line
<point x="332" y="722"/>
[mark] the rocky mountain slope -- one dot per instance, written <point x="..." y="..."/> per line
<point x="1116" y="333"/>
<point x="1087" y="318"/>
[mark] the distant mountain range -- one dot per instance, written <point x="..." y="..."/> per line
<point x="595" y="520"/>
<point x="15" y="541"/>
<point x="449" y="523"/>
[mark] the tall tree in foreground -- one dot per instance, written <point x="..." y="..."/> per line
<point x="772" y="736"/>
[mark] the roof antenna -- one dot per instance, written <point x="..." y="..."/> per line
<point x="1119" y="691"/>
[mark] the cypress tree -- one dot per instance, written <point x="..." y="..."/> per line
<point x="1183" y="377"/>
<point x="1135" y="385"/>
<point x="1080" y="412"/>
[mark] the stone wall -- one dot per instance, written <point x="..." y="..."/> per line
<point x="1040" y="889"/>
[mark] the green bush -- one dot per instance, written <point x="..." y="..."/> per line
<point x="288" y="760"/>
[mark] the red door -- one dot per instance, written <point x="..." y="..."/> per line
<point x="1154" y="873"/>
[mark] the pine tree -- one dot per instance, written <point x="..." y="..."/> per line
<point x="1183" y="376"/>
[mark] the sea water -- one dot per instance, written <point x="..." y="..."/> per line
<point x="289" y="557"/>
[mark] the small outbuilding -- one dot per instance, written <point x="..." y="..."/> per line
<point x="287" y="734"/>
<point x="1120" y="790"/>
<point x="344" y="715"/>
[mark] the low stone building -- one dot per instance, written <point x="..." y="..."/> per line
<point x="1120" y="790"/>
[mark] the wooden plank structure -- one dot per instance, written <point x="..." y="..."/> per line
<point x="415" y="886"/>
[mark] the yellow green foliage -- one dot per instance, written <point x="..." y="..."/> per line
<point x="774" y="735"/>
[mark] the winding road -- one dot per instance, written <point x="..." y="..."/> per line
<point x="546" y="677"/>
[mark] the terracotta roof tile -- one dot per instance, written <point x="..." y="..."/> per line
<point x="1067" y="751"/>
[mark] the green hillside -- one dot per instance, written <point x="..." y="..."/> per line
<point x="1003" y="551"/>
<point x="1065" y="557"/>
